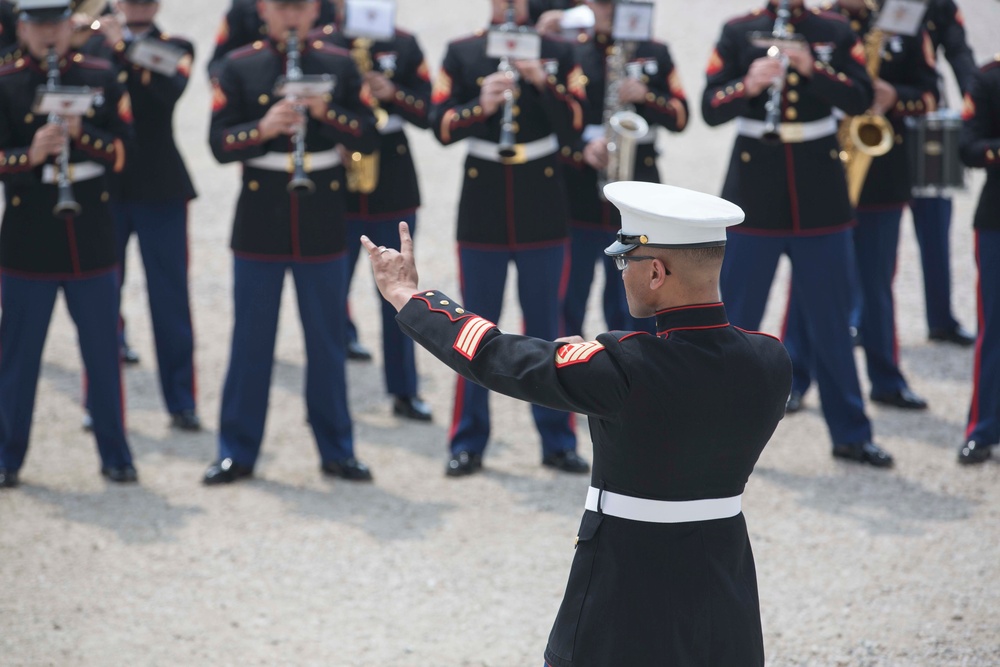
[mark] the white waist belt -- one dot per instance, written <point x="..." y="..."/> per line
<point x="533" y="150"/>
<point x="283" y="161"/>
<point x="592" y="132"/>
<point x="78" y="171"/>
<point x="663" y="511"/>
<point x="791" y="133"/>
<point x="393" y="124"/>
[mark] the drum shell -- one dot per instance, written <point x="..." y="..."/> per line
<point x="935" y="165"/>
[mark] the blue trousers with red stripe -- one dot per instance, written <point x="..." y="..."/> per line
<point x="932" y="224"/>
<point x="27" y="305"/>
<point x="819" y="264"/>
<point x="540" y="280"/>
<point x="398" y="356"/>
<point x="321" y="288"/>
<point x="587" y="246"/>
<point x="876" y="240"/>
<point x="161" y="228"/>
<point x="984" y="412"/>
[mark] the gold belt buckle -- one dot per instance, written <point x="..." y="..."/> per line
<point x="520" y="156"/>
<point x="792" y="133"/>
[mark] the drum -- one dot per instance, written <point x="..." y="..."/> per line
<point x="933" y="151"/>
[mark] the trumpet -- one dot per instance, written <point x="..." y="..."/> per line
<point x="772" y="118"/>
<point x="66" y="205"/>
<point x="300" y="182"/>
<point x="508" y="128"/>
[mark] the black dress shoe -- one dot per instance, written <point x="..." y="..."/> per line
<point x="411" y="407"/>
<point x="794" y="403"/>
<point x="8" y="478"/>
<point x="358" y="352"/>
<point x="225" y="471"/>
<point x="129" y="356"/>
<point x="864" y="452"/>
<point x="974" y="452"/>
<point x="350" y="469"/>
<point x="121" y="475"/>
<point x="464" y="463"/>
<point x="185" y="420"/>
<point x="958" y="336"/>
<point x="568" y="461"/>
<point x="904" y="398"/>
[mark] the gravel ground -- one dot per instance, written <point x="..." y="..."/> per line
<point x="857" y="567"/>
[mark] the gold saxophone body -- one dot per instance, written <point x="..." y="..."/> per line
<point x="867" y="136"/>
<point x="362" y="169"/>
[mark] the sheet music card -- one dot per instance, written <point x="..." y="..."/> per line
<point x="902" y="17"/>
<point x="370" y="19"/>
<point x="514" y="44"/>
<point x="64" y="100"/>
<point x="633" y="22"/>
<point x="155" y="55"/>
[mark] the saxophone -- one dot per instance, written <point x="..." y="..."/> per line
<point x="868" y="136"/>
<point x="362" y="170"/>
<point x="623" y="127"/>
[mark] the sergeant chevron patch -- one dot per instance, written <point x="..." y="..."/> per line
<point x="577" y="353"/>
<point x="471" y="335"/>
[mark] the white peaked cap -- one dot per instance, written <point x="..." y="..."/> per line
<point x="666" y="216"/>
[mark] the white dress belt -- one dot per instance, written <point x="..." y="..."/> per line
<point x="78" y="171"/>
<point x="592" y="132"/>
<point x="662" y="511"/>
<point x="275" y="161"/>
<point x="394" y="123"/>
<point x="791" y="133"/>
<point x="533" y="150"/>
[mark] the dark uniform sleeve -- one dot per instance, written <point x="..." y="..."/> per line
<point x="956" y="47"/>
<point x="918" y="94"/>
<point x="350" y="122"/>
<point x="108" y="144"/>
<point x="666" y="103"/>
<point x="980" y="143"/>
<point x="15" y="167"/>
<point x="563" y="96"/>
<point x="413" y="83"/>
<point x="455" y="111"/>
<point x="231" y="137"/>
<point x="232" y="34"/>
<point x="844" y="83"/>
<point x="725" y="97"/>
<point x="159" y="87"/>
<point x="582" y="378"/>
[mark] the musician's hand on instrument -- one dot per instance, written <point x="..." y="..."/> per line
<point x="395" y="272"/>
<point x="550" y="22"/>
<point x="532" y="72"/>
<point x="885" y="97"/>
<point x="491" y="95"/>
<point x="48" y="141"/>
<point x="595" y="153"/>
<point x="800" y="58"/>
<point x="762" y="74"/>
<point x="280" y="119"/>
<point x="632" y="91"/>
<point x="112" y="30"/>
<point x="382" y="89"/>
<point x="316" y="105"/>
<point x="74" y="126"/>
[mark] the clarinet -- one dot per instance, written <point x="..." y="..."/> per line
<point x="66" y="206"/>
<point x="300" y="183"/>
<point x="508" y="132"/>
<point x="772" y="119"/>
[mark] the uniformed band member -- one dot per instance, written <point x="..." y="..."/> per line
<point x="980" y="148"/>
<point x="511" y="209"/>
<point x="663" y="572"/>
<point x="906" y="87"/>
<point x="795" y="194"/>
<point x="243" y="25"/>
<point x="41" y="253"/>
<point x="932" y="215"/>
<point x="656" y="94"/>
<point x="398" y="82"/>
<point x="276" y="231"/>
<point x="150" y="199"/>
